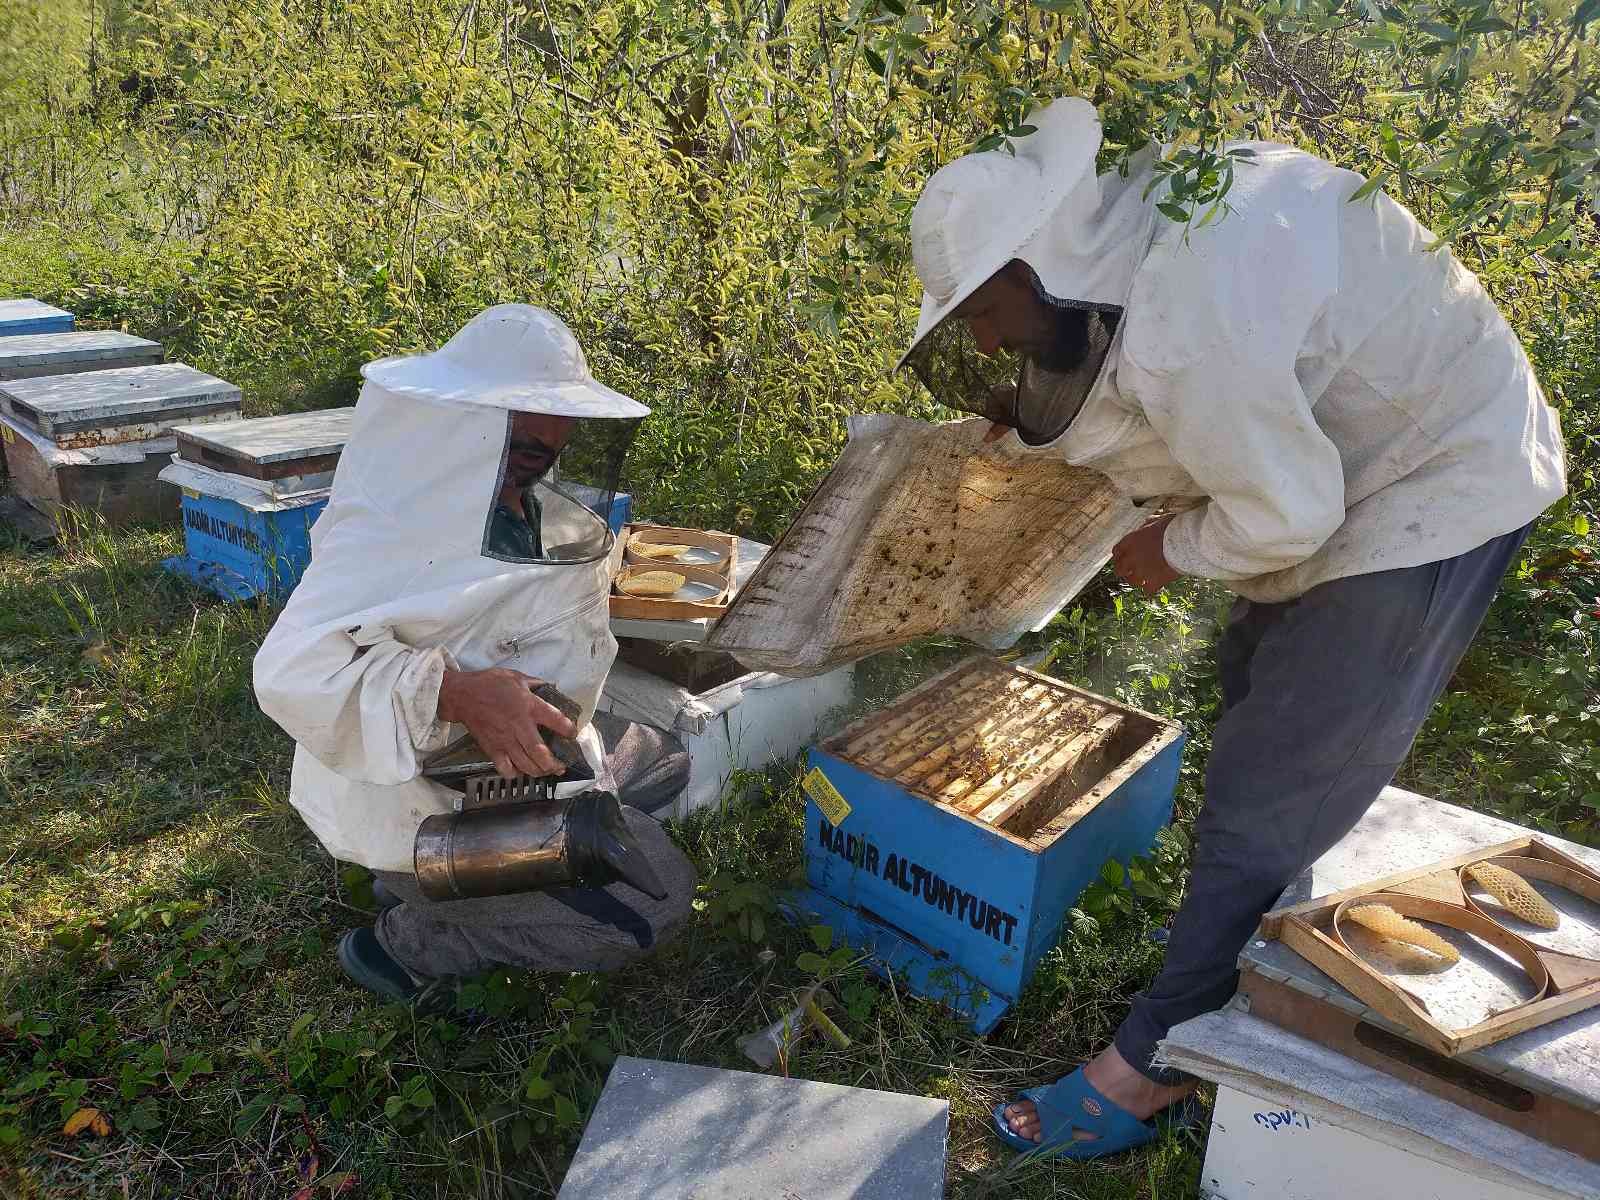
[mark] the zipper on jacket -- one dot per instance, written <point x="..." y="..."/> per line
<point x="513" y="645"/>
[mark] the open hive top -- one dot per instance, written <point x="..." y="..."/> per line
<point x="1007" y="747"/>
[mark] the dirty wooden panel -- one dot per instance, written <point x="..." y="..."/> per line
<point x="121" y="405"/>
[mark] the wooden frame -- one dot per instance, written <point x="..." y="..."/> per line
<point x="645" y="608"/>
<point x="1045" y="735"/>
<point x="1550" y="1119"/>
<point x="1564" y="983"/>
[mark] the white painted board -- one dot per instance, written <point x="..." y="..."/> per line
<point x="745" y="724"/>
<point x="1262" y="1150"/>
<point x="201" y="481"/>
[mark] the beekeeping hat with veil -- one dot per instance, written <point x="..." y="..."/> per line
<point x="1078" y="238"/>
<point x="515" y="358"/>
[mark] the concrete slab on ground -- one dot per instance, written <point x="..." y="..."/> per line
<point x="669" y="1131"/>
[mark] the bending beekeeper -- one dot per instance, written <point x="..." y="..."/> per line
<point x="450" y="573"/>
<point x="1358" y="446"/>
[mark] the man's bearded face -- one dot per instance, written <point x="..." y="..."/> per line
<point x="536" y="442"/>
<point x="1007" y="313"/>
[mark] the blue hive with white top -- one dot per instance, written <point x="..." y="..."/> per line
<point x="250" y="492"/>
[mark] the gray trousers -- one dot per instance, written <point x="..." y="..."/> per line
<point x="1322" y="699"/>
<point x="560" y="929"/>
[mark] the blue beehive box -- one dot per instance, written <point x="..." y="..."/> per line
<point x="251" y="490"/>
<point x="593" y="499"/>
<point x="949" y="833"/>
<point x="32" y="316"/>
<point x="240" y="548"/>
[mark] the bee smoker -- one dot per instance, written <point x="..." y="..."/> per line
<point x="515" y="835"/>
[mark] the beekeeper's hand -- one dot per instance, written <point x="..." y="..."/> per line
<point x="503" y="715"/>
<point x="1141" y="557"/>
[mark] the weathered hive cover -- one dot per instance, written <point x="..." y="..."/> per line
<point x="269" y="447"/>
<point x="29" y="355"/>
<point x="32" y="316"/>
<point x="923" y="529"/>
<point x="667" y="1131"/>
<point x="126" y="404"/>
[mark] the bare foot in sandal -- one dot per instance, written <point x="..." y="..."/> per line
<point x="1118" y="1082"/>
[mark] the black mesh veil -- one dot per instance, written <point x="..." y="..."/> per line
<point x="555" y="506"/>
<point x="1036" y="396"/>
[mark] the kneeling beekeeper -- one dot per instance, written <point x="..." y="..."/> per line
<point x="1358" y="446"/>
<point x="451" y="575"/>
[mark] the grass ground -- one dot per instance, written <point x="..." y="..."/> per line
<point x="166" y="923"/>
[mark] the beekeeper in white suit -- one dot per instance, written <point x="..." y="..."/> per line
<point x="450" y="573"/>
<point x="1357" y="445"/>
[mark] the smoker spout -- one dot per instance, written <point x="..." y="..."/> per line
<point x="597" y="830"/>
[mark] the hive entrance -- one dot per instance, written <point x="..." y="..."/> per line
<point x="1007" y="747"/>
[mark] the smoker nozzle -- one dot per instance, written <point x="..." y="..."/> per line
<point x="598" y="834"/>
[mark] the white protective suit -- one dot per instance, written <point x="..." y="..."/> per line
<point x="399" y="587"/>
<point x="1337" y="399"/>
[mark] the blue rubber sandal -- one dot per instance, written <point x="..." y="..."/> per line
<point x="1074" y="1104"/>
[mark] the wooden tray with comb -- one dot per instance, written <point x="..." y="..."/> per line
<point x="707" y="567"/>
<point x="1512" y="976"/>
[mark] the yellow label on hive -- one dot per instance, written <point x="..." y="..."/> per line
<point x="191" y="493"/>
<point x="820" y="788"/>
<point x="5" y="432"/>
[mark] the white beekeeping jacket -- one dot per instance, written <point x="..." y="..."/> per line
<point x="1339" y="399"/>
<point x="1331" y="397"/>
<point x="399" y="588"/>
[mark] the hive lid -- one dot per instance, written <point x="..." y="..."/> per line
<point x="23" y="316"/>
<point x="34" y="353"/>
<point x="269" y="447"/>
<point x="134" y="402"/>
<point x="918" y="530"/>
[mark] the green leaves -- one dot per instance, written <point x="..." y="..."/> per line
<point x="739" y="909"/>
<point x="414" y="1096"/>
<point x="257" y="1107"/>
<point x="1370" y="187"/>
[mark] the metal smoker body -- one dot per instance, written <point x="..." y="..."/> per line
<point x="514" y="835"/>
